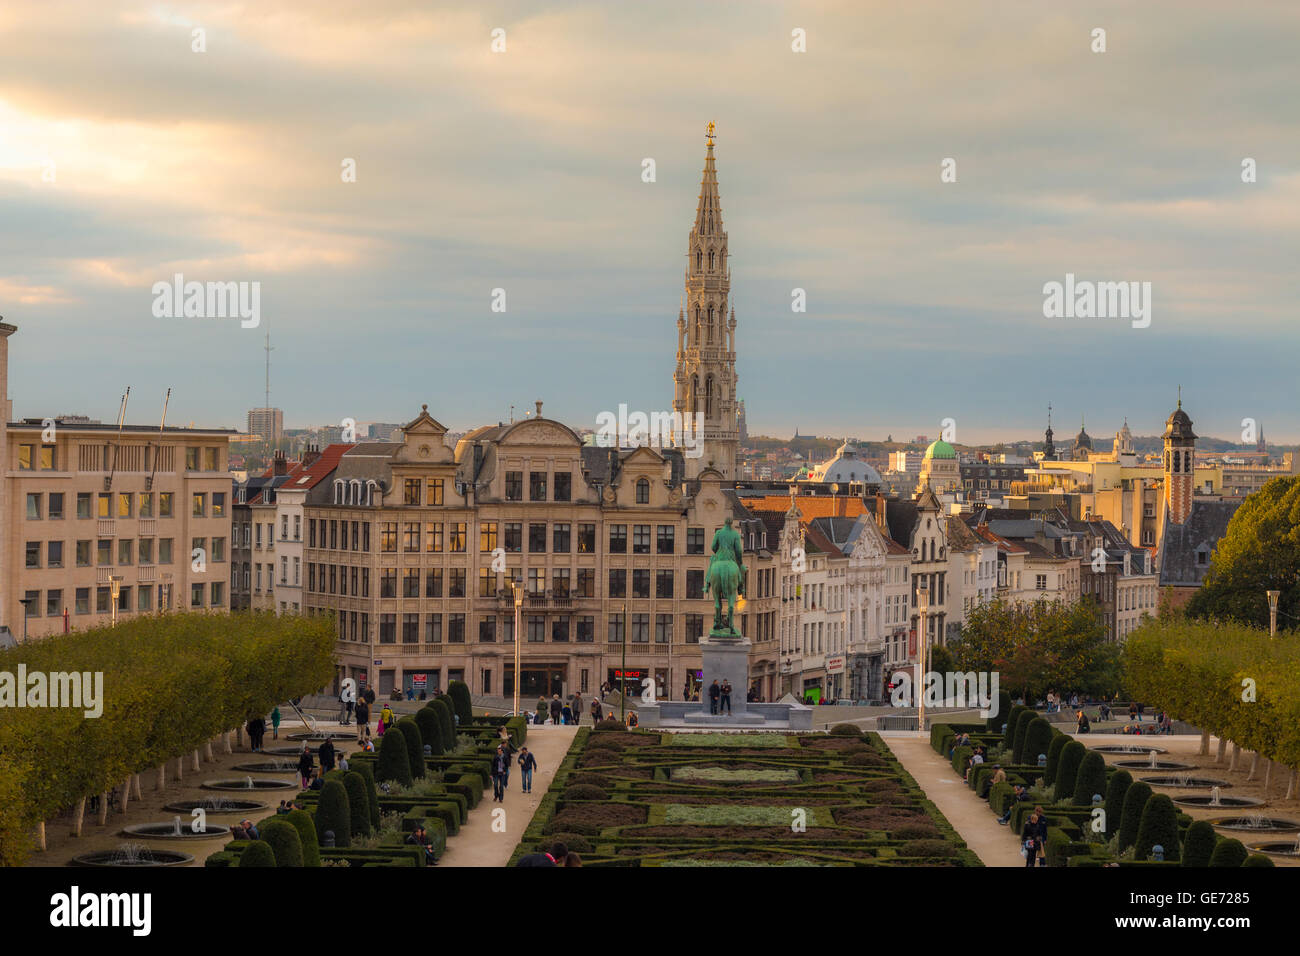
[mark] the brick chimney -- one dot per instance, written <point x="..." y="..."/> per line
<point x="278" y="465"/>
<point x="310" y="455"/>
<point x="882" y="518"/>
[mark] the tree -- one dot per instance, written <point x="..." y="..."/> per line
<point x="445" y="722"/>
<point x="333" y="813"/>
<point x="1026" y="718"/>
<point x="1229" y="852"/>
<point x="394" y="759"/>
<point x="430" y="730"/>
<point x="365" y="768"/>
<point x="995" y="720"/>
<point x="1038" y="645"/>
<point x="1038" y="739"/>
<point x="1054" y="756"/>
<point x="1260" y="551"/>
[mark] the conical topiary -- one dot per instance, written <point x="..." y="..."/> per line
<point x="257" y="854"/>
<point x="993" y="724"/>
<point x="1009" y="719"/>
<point x="1119" y="783"/>
<point x="414" y="745"/>
<point x="365" y="768"/>
<point x="1026" y="718"/>
<point x="1054" y="756"/>
<point x="1090" y="780"/>
<point x="1159" y="827"/>
<point x="446" y="722"/>
<point x="1038" y="738"/>
<point x="1229" y="852"/>
<point x="459" y="692"/>
<point x="394" y="759"/>
<point x="302" y="822"/>
<point x="358" y="805"/>
<point x="334" y="814"/>
<point x="282" y="837"/>
<point x="1258" y="859"/>
<point x="1199" y="845"/>
<point x="1067" y="769"/>
<point x="430" y="730"/>
<point x="1134" y="801"/>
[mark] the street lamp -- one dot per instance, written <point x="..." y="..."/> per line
<point x="519" y="603"/>
<point x="114" y="589"/>
<point x="26" y="603"/>
<point x="1272" y="612"/>
<point x="923" y="603"/>
<point x="622" y="688"/>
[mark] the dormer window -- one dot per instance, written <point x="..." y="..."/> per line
<point x="642" y="491"/>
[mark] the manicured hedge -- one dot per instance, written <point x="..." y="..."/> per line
<point x="993" y="724"/>
<point x="170" y="683"/>
<point x="1258" y="859"/>
<point x="302" y="822"/>
<point x="1159" y="827"/>
<point x="394" y="758"/>
<point x="1198" y="846"/>
<point x="1067" y="769"/>
<point x="1038" y="738"/>
<point x="1090" y="780"/>
<point x="282" y="837"/>
<point x="358" y="803"/>
<point x="1135" y="800"/>
<point x="414" y="746"/>
<point x="1229" y="852"/>
<point x="459" y="692"/>
<point x="367" y="770"/>
<point x="258" y="854"/>
<point x="333" y="812"/>
<point x="1012" y="718"/>
<point x="1018" y="741"/>
<point x="1054" y="749"/>
<point x="430" y="731"/>
<point x="1118" y="786"/>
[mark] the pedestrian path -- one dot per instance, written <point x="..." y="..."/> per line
<point x="969" y="815"/>
<point x="478" y="843"/>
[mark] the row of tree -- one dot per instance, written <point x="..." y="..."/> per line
<point x="170" y="684"/>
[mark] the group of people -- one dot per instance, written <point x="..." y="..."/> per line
<point x="558" y="855"/>
<point x="313" y="779"/>
<point x="256" y="728"/>
<point x="720" y="697"/>
<point x="568" y="711"/>
<point x="501" y="761"/>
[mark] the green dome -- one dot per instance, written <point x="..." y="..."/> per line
<point x="940" y="449"/>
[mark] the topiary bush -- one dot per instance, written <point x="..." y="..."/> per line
<point x="333" y="813"/>
<point x="358" y="803"/>
<point x="1067" y="769"/>
<point x="1010" y="719"/>
<point x="414" y="745"/>
<point x="1018" y="740"/>
<point x="959" y="757"/>
<point x="846" y="730"/>
<point x="1229" y="852"/>
<point x="998" y="718"/>
<point x="430" y="731"/>
<point x="445" y="721"/>
<point x="302" y="822"/>
<point x="257" y="854"/>
<point x="1054" y="756"/>
<point x="864" y="758"/>
<point x="1119" y="783"/>
<point x="603" y="743"/>
<point x="608" y="723"/>
<point x="458" y="690"/>
<point x="1038" y="738"/>
<point x="1198" y="846"/>
<point x="591" y="780"/>
<point x="927" y="848"/>
<point x="1135" y="799"/>
<point x="366" y="769"/>
<point x="582" y="792"/>
<point x="394" y="759"/>
<point x="1090" y="779"/>
<point x="1258" y="859"/>
<point x="282" y="837"/>
<point x="577" y="843"/>
<point x="1159" y="826"/>
<point x="914" y="831"/>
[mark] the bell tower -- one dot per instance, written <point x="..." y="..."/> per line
<point x="1180" y="464"/>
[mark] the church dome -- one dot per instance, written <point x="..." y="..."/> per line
<point x="940" y="449"/>
<point x="846" y="466"/>
<point x="1083" y="440"/>
<point x="1179" y="425"/>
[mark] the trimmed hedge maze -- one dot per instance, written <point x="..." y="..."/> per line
<point x="440" y="807"/>
<point x="644" y="798"/>
<point x="1134" y="820"/>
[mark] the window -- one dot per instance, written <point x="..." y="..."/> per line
<point x="334" y="536"/>
<point x="641" y="583"/>
<point x="694" y="628"/>
<point x="586" y="539"/>
<point x="82" y="601"/>
<point x="536" y="580"/>
<point x="487" y="632"/>
<point x="388" y="537"/>
<point x="456" y="583"/>
<point x="200" y="505"/>
<point x="196" y="595"/>
<point x="33" y="554"/>
<point x="640" y="628"/>
<point x="55" y="510"/>
<point x="33" y="507"/>
<point x="1040" y="582"/>
<point x="83" y="504"/>
<point x="388" y="583"/>
<point x="664" y="584"/>
<point x="164" y="504"/>
<point x="694" y="540"/>
<point x="642" y="491"/>
<point x="146" y="504"/>
<point x="560" y="539"/>
<point x="586" y="630"/>
<point x="125" y="504"/>
<point x="83" y="554"/>
<point x="536" y="629"/>
<point x="433" y="538"/>
<point x="640" y="539"/>
<point x="411" y="583"/>
<point x="617" y="583"/>
<point x="433" y="629"/>
<point x="433" y="491"/>
<point x="410" y="537"/>
<point x="411" y="491"/>
<point x="487" y="536"/>
<point x="104" y="505"/>
<point x="410" y="629"/>
<point x="563" y="486"/>
<point x="487" y="583"/>
<point x="537" y="486"/>
<point x="457" y="535"/>
<point x="537" y="539"/>
<point x="103" y="596"/>
<point x="663" y="628"/>
<point x="514" y="542"/>
<point x="666" y="539"/>
<point x="104" y="553"/>
<point x="388" y="629"/>
<point x="433" y="583"/>
<point x="218" y="549"/>
<point x="616" y="626"/>
<point x="217" y="592"/>
<point x="618" y="539"/>
<point x="456" y="628"/>
<point x="54" y="555"/>
<point x="165" y="551"/>
<point x="560" y="582"/>
<point x="26" y="457"/>
<point x="209" y="459"/>
<point x="297" y="527"/>
<point x="586" y="583"/>
<point x="514" y="486"/>
<point x="560" y="629"/>
<point x="218" y="504"/>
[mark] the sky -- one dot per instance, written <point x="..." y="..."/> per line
<point x="126" y="157"/>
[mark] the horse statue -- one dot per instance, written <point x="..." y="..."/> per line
<point x="725" y="577"/>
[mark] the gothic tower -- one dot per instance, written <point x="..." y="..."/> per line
<point x="705" y="379"/>
<point x="1049" y="447"/>
<point x="1180" y="462"/>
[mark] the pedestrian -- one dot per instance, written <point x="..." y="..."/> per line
<point x="558" y="853"/>
<point x="305" y="765"/>
<point x="1031" y="845"/>
<point x="343" y="764"/>
<point x="370" y="696"/>
<point x="566" y="715"/>
<point x="1083" y="725"/>
<point x="597" y="712"/>
<point x="500" y="767"/>
<point x="577" y="708"/>
<point x="327" y="756"/>
<point x="275" y="722"/>
<point x="1141" y="707"/>
<point x="556" y="708"/>
<point x="385" y="720"/>
<point x="726" y="696"/>
<point x="256" y="730"/>
<point x="527" y="763"/>
<point x="572" y="859"/>
<point x="714" y="693"/>
<point x="1132" y="712"/>
<point x="420" y="837"/>
<point x="363" y="719"/>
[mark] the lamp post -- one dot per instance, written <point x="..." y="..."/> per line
<point x="622" y="687"/>
<point x="923" y="603"/>
<point x="519" y="603"/>
<point x="114" y="589"/>
<point x="1272" y="612"/>
<point x="26" y="603"/>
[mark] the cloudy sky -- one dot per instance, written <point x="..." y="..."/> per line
<point x="521" y="170"/>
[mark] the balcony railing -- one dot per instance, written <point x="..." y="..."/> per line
<point x="104" y="528"/>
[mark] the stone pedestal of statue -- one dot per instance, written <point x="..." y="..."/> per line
<point x="725" y="657"/>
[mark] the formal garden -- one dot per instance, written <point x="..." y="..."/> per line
<point x="645" y="798"/>
<point x="429" y="771"/>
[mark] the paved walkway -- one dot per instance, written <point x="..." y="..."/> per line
<point x="477" y="843"/>
<point x="970" y="816"/>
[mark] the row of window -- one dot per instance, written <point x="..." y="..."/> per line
<point x="123" y="504"/>
<point x="451" y="582"/>
<point x="128" y="551"/>
<point x="42" y="458"/>
<point x="142" y="599"/>
<point x="559" y="629"/>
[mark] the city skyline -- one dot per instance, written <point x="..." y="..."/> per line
<point x="924" y="298"/>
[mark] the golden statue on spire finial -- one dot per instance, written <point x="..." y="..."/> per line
<point x="711" y="134"/>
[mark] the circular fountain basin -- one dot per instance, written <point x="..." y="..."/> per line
<point x="295" y="752"/>
<point x="269" y="766"/>
<point x="1187" y="781"/>
<point x="1148" y="765"/>
<point x="1205" y="802"/>
<point x="1128" y="749"/>
<point x="324" y="735"/>
<point x="1277" y="847"/>
<point x="1256" y="823"/>
<point x="132" y="855"/>
<point x="167" y="831"/>
<point x="216" y="805"/>
<point x="239" y="783"/>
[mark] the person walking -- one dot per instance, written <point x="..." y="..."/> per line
<point x="305" y="765"/>
<point x="726" y="696"/>
<point x="275" y="722"/>
<point x="597" y="712"/>
<point x="363" y="719"/>
<point x="369" y="696"/>
<point x="326" y="751"/>
<point x="556" y="708"/>
<point x="715" y="692"/>
<point x="542" y="709"/>
<point x="577" y="708"/>
<point x="385" y="720"/>
<point x="1083" y="725"/>
<point x="256" y="730"/>
<point x="500" y="767"/>
<point x="527" y="764"/>
<point x="566" y="715"/>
